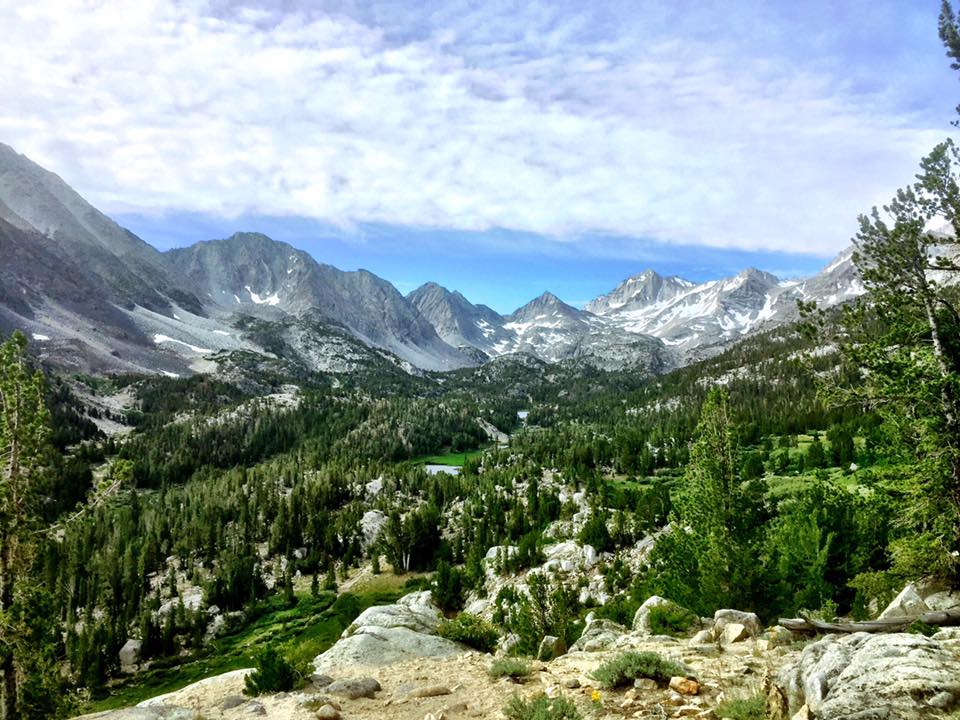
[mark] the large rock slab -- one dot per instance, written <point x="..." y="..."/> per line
<point x="145" y="713"/>
<point x="873" y="677"/>
<point x="415" y="612"/>
<point x="386" y="634"/>
<point x="374" y="646"/>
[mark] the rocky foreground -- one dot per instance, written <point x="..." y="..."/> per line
<point x="390" y="663"/>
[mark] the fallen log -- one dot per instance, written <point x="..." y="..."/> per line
<point x="895" y="624"/>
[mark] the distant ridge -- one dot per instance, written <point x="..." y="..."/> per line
<point x="96" y="298"/>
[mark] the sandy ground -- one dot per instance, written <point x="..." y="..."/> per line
<point x="473" y="694"/>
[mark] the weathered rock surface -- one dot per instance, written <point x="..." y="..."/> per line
<point x="146" y="713"/>
<point x="569" y="556"/>
<point x="386" y="634"/>
<point x="873" y="677"/>
<point x="749" y="620"/>
<point x="328" y="712"/>
<point x="129" y="655"/>
<point x="371" y="525"/>
<point x="599" y="635"/>
<point x="415" y="612"/>
<point x="908" y="603"/>
<point x="353" y="688"/>
<point x="232" y="701"/>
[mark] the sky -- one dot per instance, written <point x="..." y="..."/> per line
<point x="499" y="148"/>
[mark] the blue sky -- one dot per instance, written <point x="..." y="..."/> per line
<point x="498" y="148"/>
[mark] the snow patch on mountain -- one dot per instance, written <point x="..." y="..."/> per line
<point x="273" y="299"/>
<point x="167" y="339"/>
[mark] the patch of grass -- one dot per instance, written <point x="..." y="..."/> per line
<point x="299" y="633"/>
<point x="541" y="708"/>
<point x="671" y="620"/>
<point x="513" y="668"/>
<point x="388" y="582"/>
<point x="748" y="708"/>
<point x="471" y="630"/>
<point x="781" y="486"/>
<point x="627" y="667"/>
<point x="451" y="458"/>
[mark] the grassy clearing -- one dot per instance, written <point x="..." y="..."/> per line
<point x="781" y="486"/>
<point x="453" y="459"/>
<point x="300" y="633"/>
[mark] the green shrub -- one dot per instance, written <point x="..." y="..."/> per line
<point x="918" y="627"/>
<point x="671" y="620"/>
<point x="621" y="609"/>
<point x="541" y="708"/>
<point x="750" y="708"/>
<point x="549" y="607"/>
<point x="627" y="667"/>
<point x="416" y="584"/>
<point x="274" y="673"/>
<point x="514" y="668"/>
<point x="471" y="630"/>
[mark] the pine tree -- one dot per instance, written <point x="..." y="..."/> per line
<point x="23" y="438"/>
<point x="909" y="363"/>
<point x="331" y="580"/>
<point x="708" y="559"/>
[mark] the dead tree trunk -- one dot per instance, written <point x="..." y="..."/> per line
<point x="806" y="625"/>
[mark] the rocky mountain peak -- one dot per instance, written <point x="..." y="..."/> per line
<point x="639" y="290"/>
<point x="546" y="303"/>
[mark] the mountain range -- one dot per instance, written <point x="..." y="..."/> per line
<point x="97" y="298"/>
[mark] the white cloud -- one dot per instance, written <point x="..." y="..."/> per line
<point x="488" y="118"/>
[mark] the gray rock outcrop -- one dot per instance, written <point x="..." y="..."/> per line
<point x="385" y="634"/>
<point x="129" y="656"/>
<point x="907" y="604"/>
<point x="873" y="677"/>
<point x="723" y="618"/>
<point x="145" y="713"/>
<point x="371" y="525"/>
<point x="599" y="635"/>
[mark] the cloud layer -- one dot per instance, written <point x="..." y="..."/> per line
<point x="544" y="119"/>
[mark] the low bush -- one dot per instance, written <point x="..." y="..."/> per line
<point x="671" y="620"/>
<point x="627" y="667"/>
<point x="514" y="668"/>
<point x="274" y="673"/>
<point x="471" y="630"/>
<point x="749" y="708"/>
<point x="541" y="708"/>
